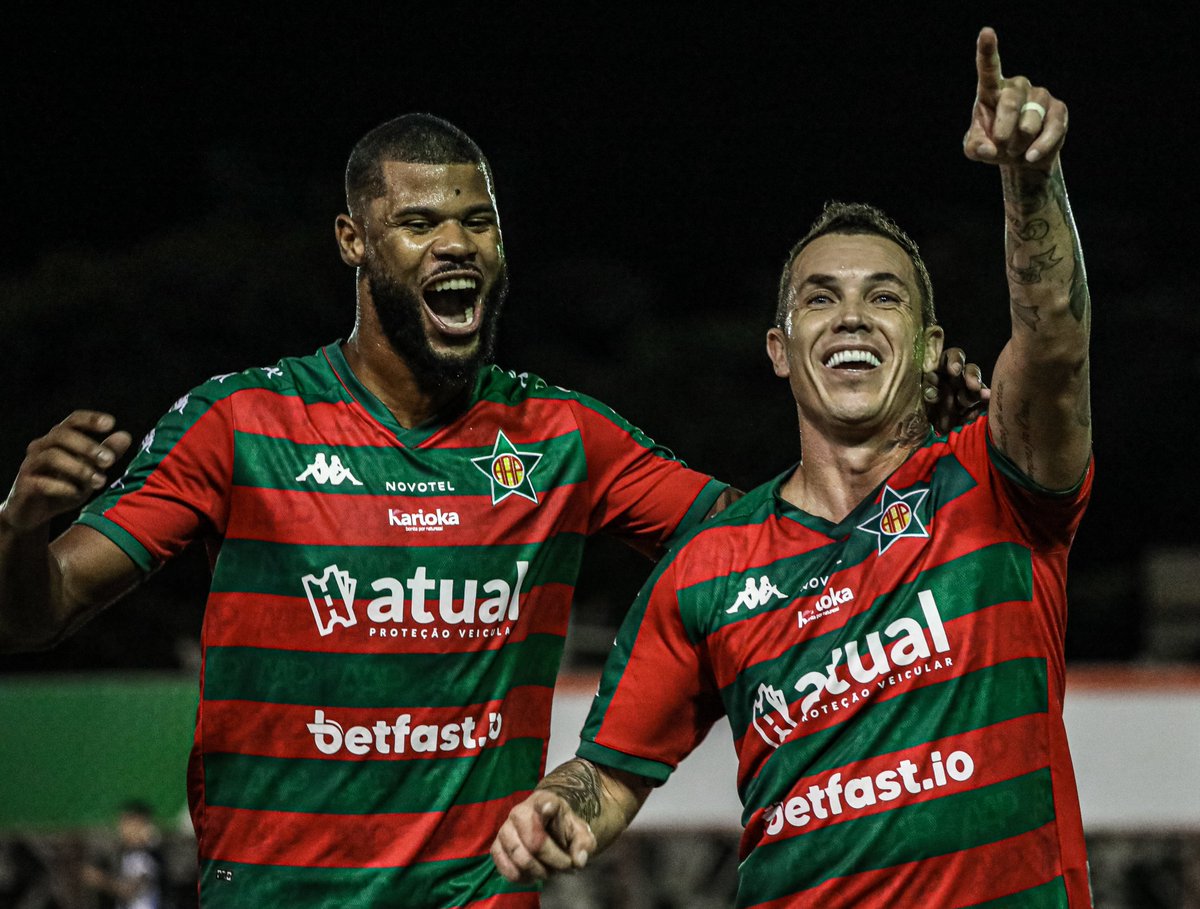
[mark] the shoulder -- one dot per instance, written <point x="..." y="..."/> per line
<point x="291" y="375"/>
<point x="727" y="538"/>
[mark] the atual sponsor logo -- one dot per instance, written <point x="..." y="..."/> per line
<point x="418" y="606"/>
<point x="422" y="520"/>
<point x="756" y="592"/>
<point x="400" y="736"/>
<point x="905" y="649"/>
<point x="835" y="797"/>
<point x="327" y="470"/>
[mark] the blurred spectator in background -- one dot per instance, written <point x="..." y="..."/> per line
<point x="136" y="881"/>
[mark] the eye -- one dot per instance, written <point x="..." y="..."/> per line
<point x="480" y="224"/>
<point x="819" y="299"/>
<point x="417" y="225"/>
<point x="887" y="298"/>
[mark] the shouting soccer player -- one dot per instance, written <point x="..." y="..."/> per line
<point x="883" y="624"/>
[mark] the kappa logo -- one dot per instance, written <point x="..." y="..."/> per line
<point x="509" y="470"/>
<point x="896" y="517"/>
<point x="770" y="716"/>
<point x="756" y="593"/>
<point x="327" y="470"/>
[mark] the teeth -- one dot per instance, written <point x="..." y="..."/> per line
<point x="454" y="284"/>
<point x="853" y="356"/>
<point x="465" y="319"/>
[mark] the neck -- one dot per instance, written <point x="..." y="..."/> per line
<point x="836" y="474"/>
<point x="391" y="379"/>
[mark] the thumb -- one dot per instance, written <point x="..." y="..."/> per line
<point x="569" y="830"/>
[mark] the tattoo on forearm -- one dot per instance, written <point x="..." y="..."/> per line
<point x="1079" y="300"/>
<point x="1027" y="314"/>
<point x="1028" y="195"/>
<point x="578" y="783"/>
<point x="1038" y="263"/>
<point x="1000" y="427"/>
<point x="1033" y="201"/>
<point x="1035" y="229"/>
<point x="1024" y="420"/>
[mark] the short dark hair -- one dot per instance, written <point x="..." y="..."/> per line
<point x="413" y="138"/>
<point x="857" y="218"/>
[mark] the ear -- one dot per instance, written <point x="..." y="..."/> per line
<point x="934" y="338"/>
<point x="777" y="352"/>
<point x="351" y="240"/>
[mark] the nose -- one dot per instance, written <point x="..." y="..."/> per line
<point x="853" y="315"/>
<point x="454" y="242"/>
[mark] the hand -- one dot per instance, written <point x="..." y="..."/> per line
<point x="1006" y="128"/>
<point x="955" y="392"/>
<point x="542" y="837"/>
<point x="63" y="469"/>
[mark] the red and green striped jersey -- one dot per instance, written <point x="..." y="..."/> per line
<point x="386" y="618"/>
<point x="894" y="684"/>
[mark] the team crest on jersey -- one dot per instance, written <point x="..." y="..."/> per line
<point x="509" y="470"/>
<point x="896" y="518"/>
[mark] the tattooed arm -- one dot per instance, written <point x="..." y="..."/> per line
<point x="577" y="810"/>
<point x="1040" y="406"/>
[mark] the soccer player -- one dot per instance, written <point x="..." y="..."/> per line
<point x="395" y="528"/>
<point x="882" y="624"/>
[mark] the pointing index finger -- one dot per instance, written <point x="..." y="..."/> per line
<point x="987" y="63"/>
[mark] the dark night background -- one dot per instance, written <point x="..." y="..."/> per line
<point x="170" y="183"/>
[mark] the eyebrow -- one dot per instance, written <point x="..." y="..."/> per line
<point x="876" y="278"/>
<point x="435" y="213"/>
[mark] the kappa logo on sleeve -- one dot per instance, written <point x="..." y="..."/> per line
<point x="509" y="470"/>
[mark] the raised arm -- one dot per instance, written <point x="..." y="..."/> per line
<point x="48" y="589"/>
<point x="1040" y="406"/>
<point x="577" y="810"/>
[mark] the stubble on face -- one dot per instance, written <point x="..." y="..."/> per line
<point x="399" y="310"/>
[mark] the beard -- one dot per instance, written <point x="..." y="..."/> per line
<point x="399" y="310"/>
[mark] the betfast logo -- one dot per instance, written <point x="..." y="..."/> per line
<point x="422" y="520"/>
<point x="834" y="797"/>
<point x="406" y="608"/>
<point x="400" y="736"/>
<point x="757" y="592"/>
<point x="894" y="655"/>
<point x="327" y="470"/>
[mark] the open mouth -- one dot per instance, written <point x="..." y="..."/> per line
<point x="852" y="360"/>
<point x="453" y="302"/>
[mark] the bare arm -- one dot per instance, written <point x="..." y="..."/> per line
<point x="577" y="810"/>
<point x="1040" y="405"/>
<point x="49" y="589"/>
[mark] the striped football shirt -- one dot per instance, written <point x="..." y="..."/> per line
<point x="894" y="683"/>
<point x="386" y="617"/>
